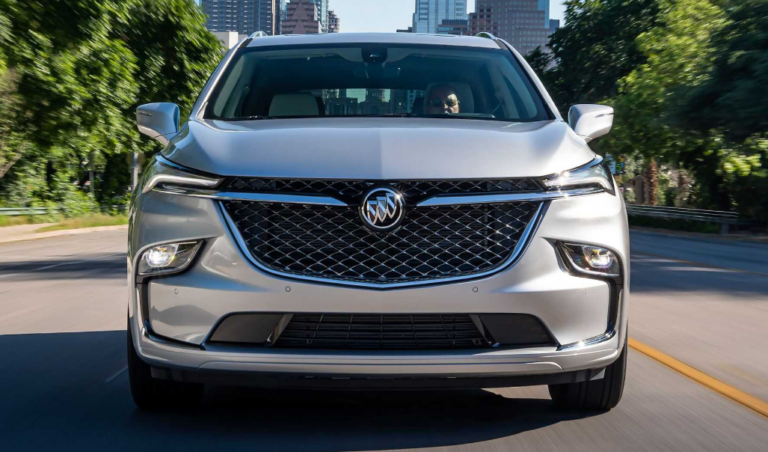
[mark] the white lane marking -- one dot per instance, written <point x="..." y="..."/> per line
<point x="634" y="256"/>
<point x="47" y="267"/>
<point x="697" y="269"/>
<point x="117" y="374"/>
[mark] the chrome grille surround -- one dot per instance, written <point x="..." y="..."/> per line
<point x="329" y="244"/>
<point x="412" y="190"/>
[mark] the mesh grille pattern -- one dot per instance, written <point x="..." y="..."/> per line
<point x="422" y="331"/>
<point x="355" y="189"/>
<point x="332" y="243"/>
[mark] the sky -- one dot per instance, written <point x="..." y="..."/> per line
<point x="389" y="15"/>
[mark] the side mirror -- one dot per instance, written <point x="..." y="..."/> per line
<point x="590" y="121"/>
<point x="159" y="120"/>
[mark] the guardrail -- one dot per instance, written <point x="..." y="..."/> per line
<point x="16" y="211"/>
<point x="725" y="219"/>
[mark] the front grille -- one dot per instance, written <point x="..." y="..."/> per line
<point x="364" y="331"/>
<point x="413" y="190"/>
<point x="331" y="242"/>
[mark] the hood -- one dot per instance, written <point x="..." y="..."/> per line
<point x="379" y="148"/>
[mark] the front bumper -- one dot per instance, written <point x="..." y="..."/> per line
<point x="181" y="311"/>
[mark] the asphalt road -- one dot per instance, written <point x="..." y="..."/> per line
<point x="63" y="384"/>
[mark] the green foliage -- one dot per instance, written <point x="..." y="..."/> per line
<point x="687" y="79"/>
<point x="176" y="55"/>
<point x="596" y="48"/>
<point x="87" y="221"/>
<point x="677" y="54"/>
<point x="732" y="99"/>
<point x="71" y="81"/>
<point x="539" y="60"/>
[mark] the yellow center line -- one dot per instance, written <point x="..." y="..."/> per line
<point x="700" y="377"/>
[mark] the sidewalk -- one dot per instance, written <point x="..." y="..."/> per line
<point x="27" y="232"/>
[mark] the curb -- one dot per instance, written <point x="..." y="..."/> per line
<point x="51" y="234"/>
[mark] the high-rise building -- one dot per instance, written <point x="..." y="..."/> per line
<point x="457" y="27"/>
<point x="282" y="13"/>
<point x="338" y="104"/>
<point x="522" y="23"/>
<point x="242" y="16"/>
<point x="554" y="24"/>
<point x="228" y="39"/>
<point x="334" y="24"/>
<point x="322" y="14"/>
<point x="301" y="19"/>
<point x="544" y="6"/>
<point x="430" y="14"/>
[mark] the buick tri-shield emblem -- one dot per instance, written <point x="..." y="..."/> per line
<point x="382" y="209"/>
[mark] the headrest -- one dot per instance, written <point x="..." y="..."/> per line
<point x="294" y="105"/>
<point x="463" y="92"/>
<point x="418" y="106"/>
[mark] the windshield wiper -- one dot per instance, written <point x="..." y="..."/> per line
<point x="248" y="118"/>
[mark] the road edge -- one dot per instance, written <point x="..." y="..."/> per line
<point x="51" y="234"/>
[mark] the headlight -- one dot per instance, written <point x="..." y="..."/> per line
<point x="590" y="260"/>
<point x="592" y="175"/>
<point x="165" y="174"/>
<point x="168" y="258"/>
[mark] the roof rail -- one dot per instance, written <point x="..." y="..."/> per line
<point x="485" y="34"/>
<point x="258" y="34"/>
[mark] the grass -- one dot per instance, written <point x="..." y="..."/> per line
<point x="19" y="220"/>
<point x="88" y="221"/>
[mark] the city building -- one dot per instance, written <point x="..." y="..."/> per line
<point x="322" y="14"/>
<point x="337" y="103"/>
<point x="375" y="103"/>
<point x="405" y="30"/>
<point x="242" y="16"/>
<point x="429" y="14"/>
<point x="522" y="23"/>
<point x="544" y="6"/>
<point x="334" y="24"/>
<point x="228" y="39"/>
<point x="459" y="27"/>
<point x="302" y="18"/>
<point x="554" y="24"/>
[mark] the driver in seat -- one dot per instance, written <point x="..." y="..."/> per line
<point x="442" y="99"/>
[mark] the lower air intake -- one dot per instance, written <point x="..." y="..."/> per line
<point x="389" y="332"/>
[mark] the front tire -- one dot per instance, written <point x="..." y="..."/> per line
<point x="602" y="395"/>
<point x="151" y="394"/>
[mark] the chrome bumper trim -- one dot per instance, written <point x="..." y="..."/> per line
<point x="608" y="335"/>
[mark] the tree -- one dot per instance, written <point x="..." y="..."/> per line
<point x="175" y="52"/>
<point x="539" y="60"/>
<point x="175" y="55"/>
<point x="9" y="152"/>
<point x="77" y="69"/>
<point x="597" y="47"/>
<point x="732" y="98"/>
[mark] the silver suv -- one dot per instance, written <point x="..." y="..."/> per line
<point x="377" y="211"/>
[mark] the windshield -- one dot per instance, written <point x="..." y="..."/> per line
<point x="375" y="80"/>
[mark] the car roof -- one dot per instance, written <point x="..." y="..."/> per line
<point x="374" y="38"/>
